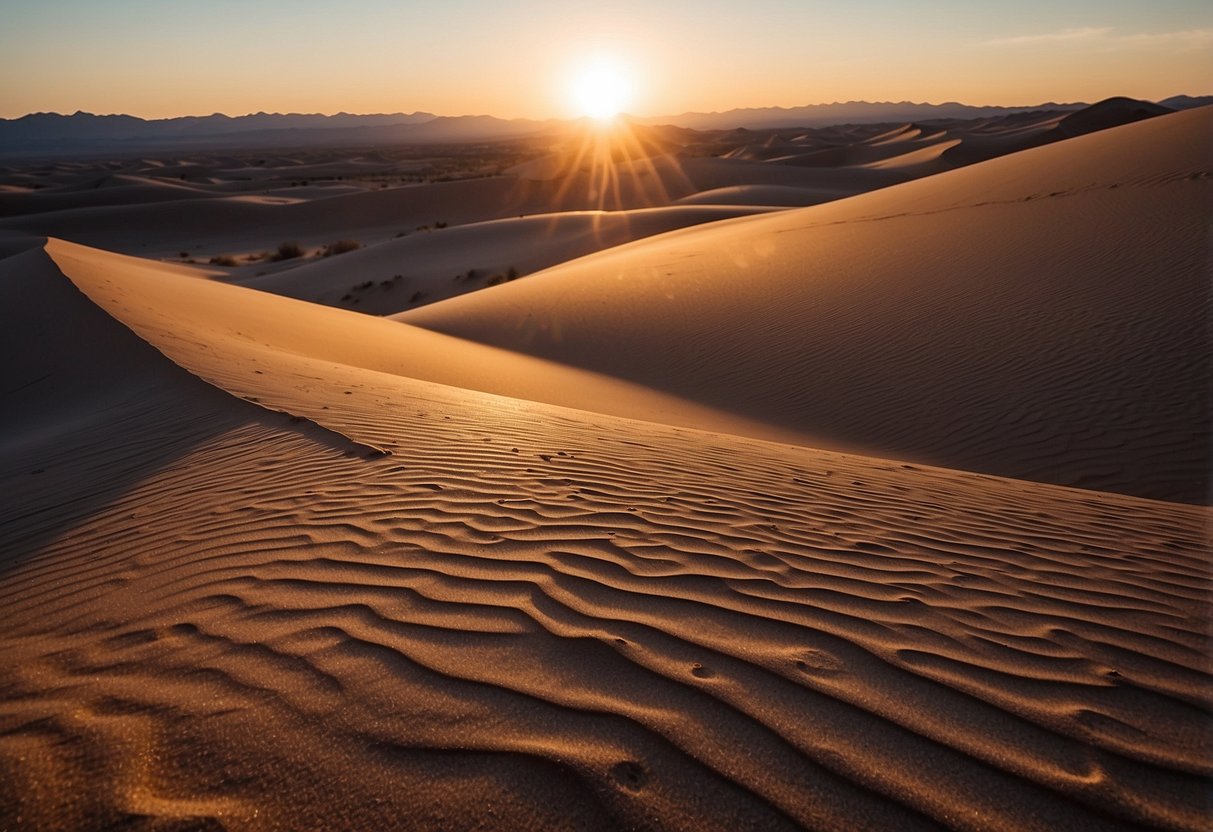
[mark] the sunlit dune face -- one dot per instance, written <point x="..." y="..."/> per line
<point x="601" y="89"/>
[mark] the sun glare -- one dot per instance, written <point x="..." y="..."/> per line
<point x="601" y="89"/>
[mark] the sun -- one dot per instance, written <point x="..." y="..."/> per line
<point x="601" y="89"/>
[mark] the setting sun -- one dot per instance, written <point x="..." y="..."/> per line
<point x="601" y="89"/>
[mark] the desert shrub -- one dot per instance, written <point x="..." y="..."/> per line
<point x="512" y="274"/>
<point x="340" y="247"/>
<point x="495" y="280"/>
<point x="224" y="260"/>
<point x="184" y="255"/>
<point x="440" y="225"/>
<point x="287" y="251"/>
<point x="416" y="296"/>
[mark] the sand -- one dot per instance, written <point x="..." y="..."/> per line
<point x="947" y="320"/>
<point x="517" y="560"/>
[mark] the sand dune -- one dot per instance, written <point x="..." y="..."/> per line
<point x="783" y="195"/>
<point x="1042" y="316"/>
<point x="272" y="349"/>
<point x="130" y="190"/>
<point x="428" y="266"/>
<point x="921" y="150"/>
<point x="532" y="617"/>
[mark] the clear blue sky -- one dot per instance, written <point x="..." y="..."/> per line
<point x="157" y="58"/>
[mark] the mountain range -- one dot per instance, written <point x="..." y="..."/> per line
<point x="55" y="134"/>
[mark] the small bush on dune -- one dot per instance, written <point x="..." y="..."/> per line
<point x="224" y="260"/>
<point x="287" y="251"/>
<point x="340" y="247"/>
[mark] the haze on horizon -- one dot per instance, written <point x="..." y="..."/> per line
<point x="459" y="57"/>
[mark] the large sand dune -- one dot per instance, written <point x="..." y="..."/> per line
<point x="1043" y="315"/>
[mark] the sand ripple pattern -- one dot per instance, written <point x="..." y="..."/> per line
<point x="526" y="617"/>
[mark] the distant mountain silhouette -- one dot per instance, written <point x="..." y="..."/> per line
<point x="52" y="130"/>
<point x="55" y="134"/>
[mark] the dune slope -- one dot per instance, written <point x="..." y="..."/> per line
<point x="523" y="616"/>
<point x="1042" y="316"/>
<point x="434" y="265"/>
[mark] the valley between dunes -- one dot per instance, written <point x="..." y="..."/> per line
<point x="886" y="512"/>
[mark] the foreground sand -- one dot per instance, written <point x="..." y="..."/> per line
<point x="268" y="565"/>
<point x="531" y="616"/>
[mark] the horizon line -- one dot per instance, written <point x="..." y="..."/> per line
<point x="1053" y="103"/>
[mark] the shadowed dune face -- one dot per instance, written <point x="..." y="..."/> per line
<point x="91" y="410"/>
<point x="1043" y="316"/>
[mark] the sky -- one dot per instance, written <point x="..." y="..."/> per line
<point x="518" y="58"/>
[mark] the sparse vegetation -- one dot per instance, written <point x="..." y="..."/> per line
<point x="287" y="251"/>
<point x="340" y="247"/>
<point x="184" y="255"/>
<point x="440" y="225"/>
<point x="224" y="260"/>
<point x="512" y="274"/>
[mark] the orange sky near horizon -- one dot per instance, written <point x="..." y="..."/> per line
<point x="460" y="57"/>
